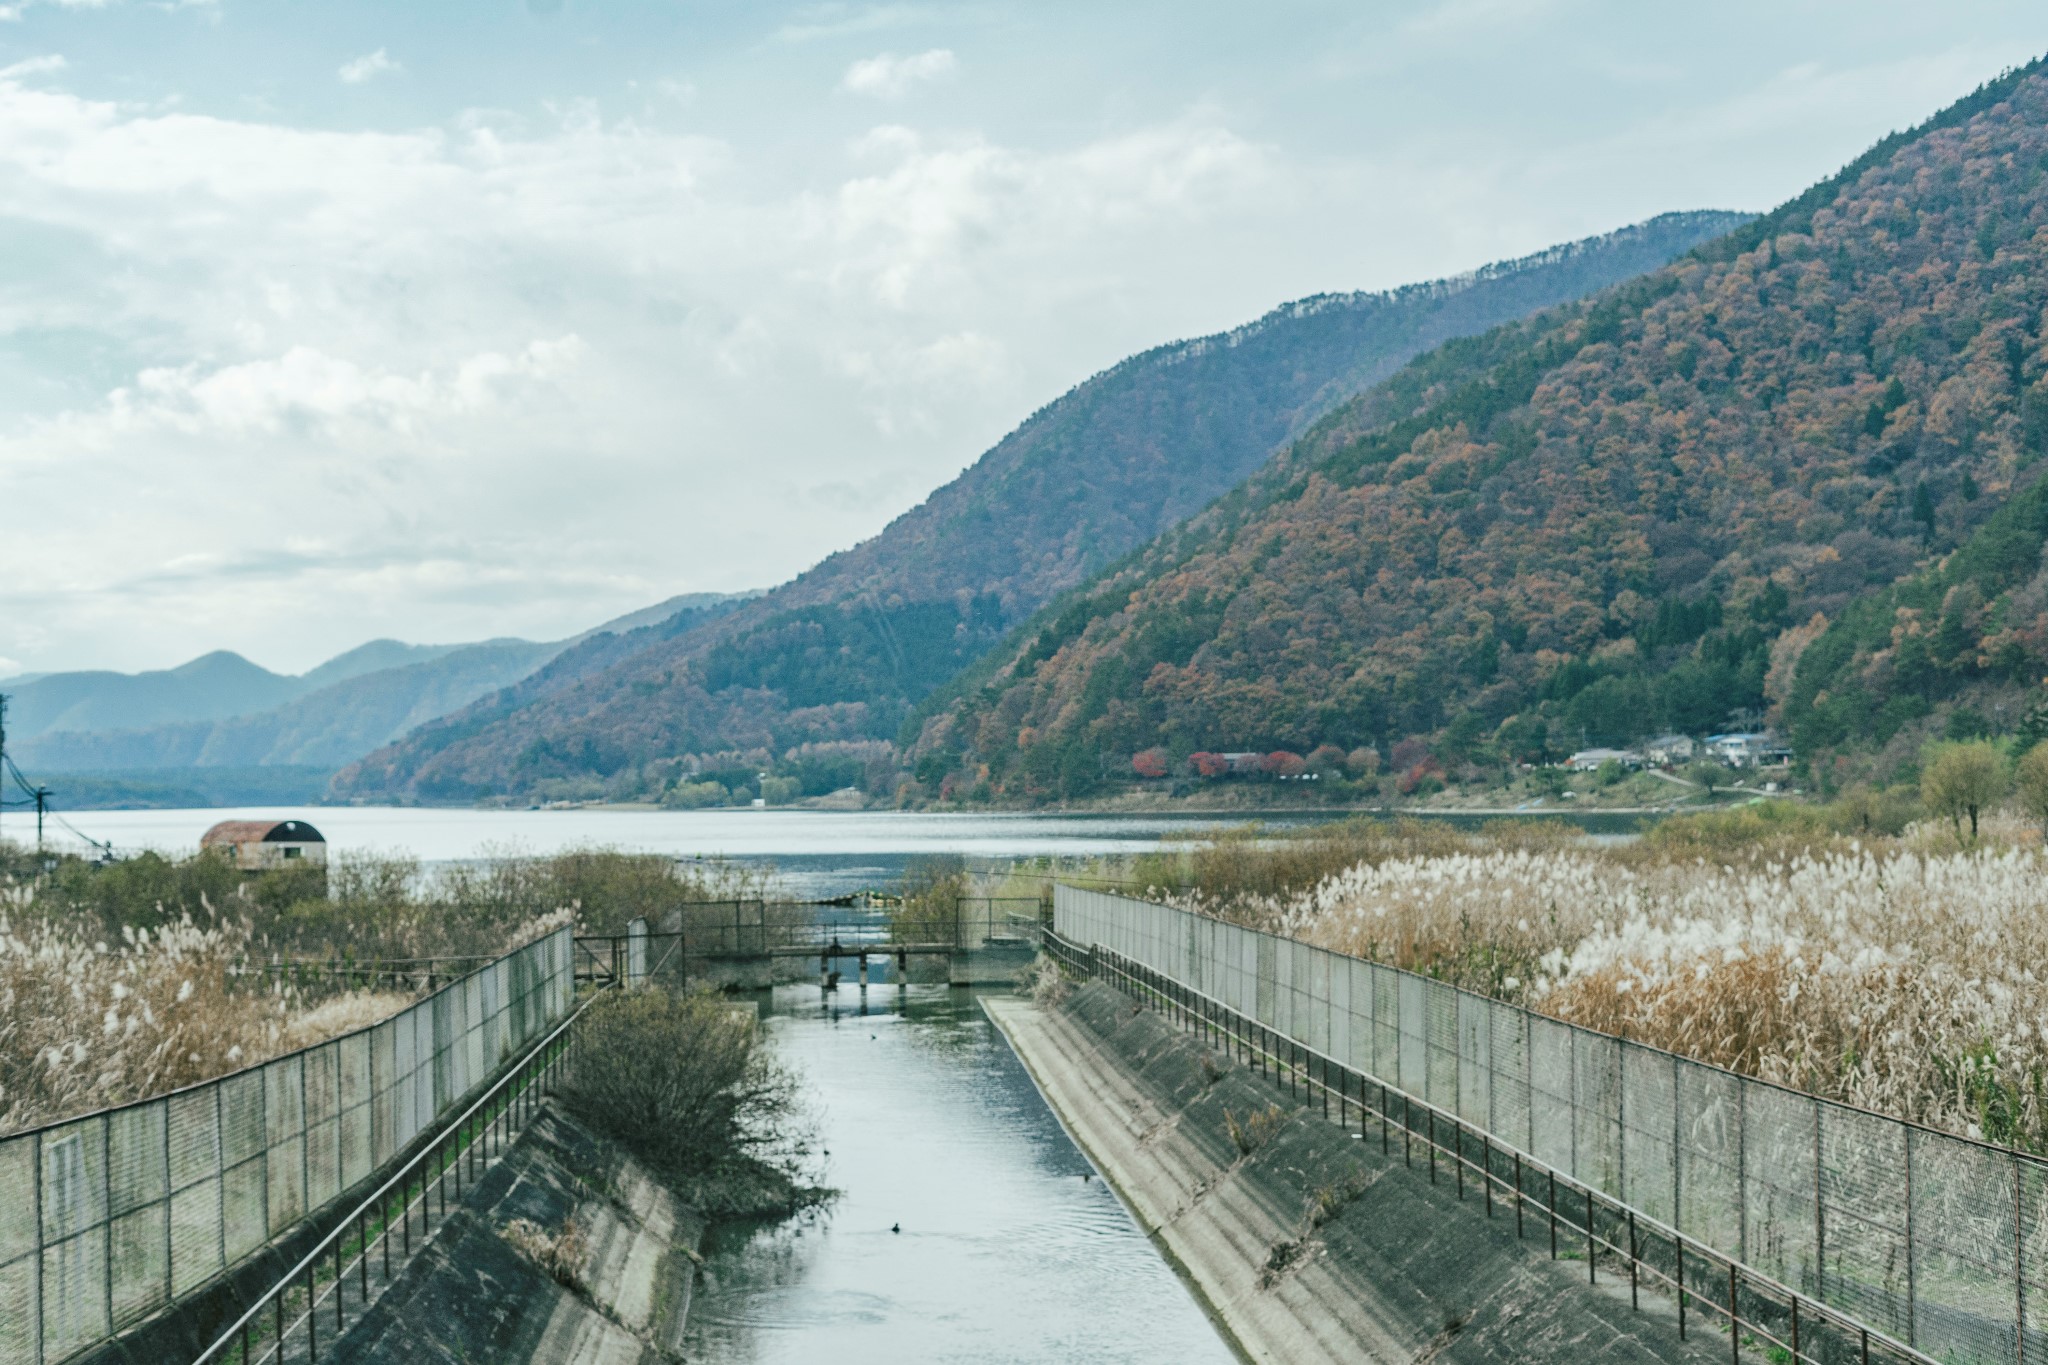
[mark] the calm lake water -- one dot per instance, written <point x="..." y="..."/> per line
<point x="817" y="852"/>
<point x="1011" y="1249"/>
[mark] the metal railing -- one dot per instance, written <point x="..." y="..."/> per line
<point x="109" y="1218"/>
<point x="285" y="1321"/>
<point x="1933" y="1240"/>
<point x="1759" y="1314"/>
<point x="753" y="928"/>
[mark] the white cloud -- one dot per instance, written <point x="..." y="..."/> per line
<point x="33" y="66"/>
<point x="890" y="77"/>
<point x="499" y="377"/>
<point x="368" y="67"/>
<point x="304" y="386"/>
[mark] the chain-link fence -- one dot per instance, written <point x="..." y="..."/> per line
<point x="1934" y="1239"/>
<point x="107" y="1218"/>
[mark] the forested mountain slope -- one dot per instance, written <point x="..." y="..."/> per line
<point x="1619" y="516"/>
<point x="845" y="650"/>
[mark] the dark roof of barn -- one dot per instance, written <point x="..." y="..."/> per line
<point x="233" y="832"/>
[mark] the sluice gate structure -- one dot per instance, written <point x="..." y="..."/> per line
<point x="1822" y="1232"/>
<point x="751" y="944"/>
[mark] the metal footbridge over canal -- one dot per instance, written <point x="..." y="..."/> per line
<point x="753" y="943"/>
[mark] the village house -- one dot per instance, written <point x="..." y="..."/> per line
<point x="1749" y="749"/>
<point x="1666" y="750"/>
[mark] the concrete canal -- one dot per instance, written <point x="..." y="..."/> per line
<point x="1011" y="1247"/>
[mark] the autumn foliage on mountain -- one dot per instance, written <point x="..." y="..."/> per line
<point x="840" y="655"/>
<point x="1726" y="490"/>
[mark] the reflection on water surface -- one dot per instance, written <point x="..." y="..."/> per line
<point x="1011" y="1248"/>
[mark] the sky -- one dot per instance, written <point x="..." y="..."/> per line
<point x="327" y="322"/>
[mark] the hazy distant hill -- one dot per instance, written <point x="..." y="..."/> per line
<point x="223" y="729"/>
<point x="210" y="687"/>
<point x="373" y="657"/>
<point x="846" y="649"/>
<point x="325" y="728"/>
<point x="1616" y="517"/>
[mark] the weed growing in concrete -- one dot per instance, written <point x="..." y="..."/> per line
<point x="1256" y="1129"/>
<point x="1330" y="1200"/>
<point x="560" y="1254"/>
<point x="1047" y="983"/>
<point x="1283" y="1257"/>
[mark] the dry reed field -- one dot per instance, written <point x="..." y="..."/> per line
<point x="1897" y="973"/>
<point x="124" y="981"/>
<point x="85" y="1023"/>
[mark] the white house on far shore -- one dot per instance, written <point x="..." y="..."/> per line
<point x="1587" y="760"/>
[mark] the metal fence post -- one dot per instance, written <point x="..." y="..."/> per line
<point x="1912" y="1288"/>
<point x="1592" y="1250"/>
<point x="1633" y="1300"/>
<point x="2019" y="1246"/>
<point x="1734" y="1319"/>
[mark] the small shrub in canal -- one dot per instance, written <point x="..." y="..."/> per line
<point x="684" y="1082"/>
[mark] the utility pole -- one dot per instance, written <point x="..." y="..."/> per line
<point x="42" y="795"/>
<point x="3" y="738"/>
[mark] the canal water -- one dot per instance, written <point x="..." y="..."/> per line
<point x="1011" y="1248"/>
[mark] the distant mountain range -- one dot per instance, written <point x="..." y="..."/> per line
<point x="223" y="728"/>
<point x="1795" y="472"/>
<point x="843" y="653"/>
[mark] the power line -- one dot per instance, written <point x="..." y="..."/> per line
<point x="38" y="796"/>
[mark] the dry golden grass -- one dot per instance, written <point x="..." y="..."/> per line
<point x="119" y="982"/>
<point x="86" y="1023"/>
<point x="1902" y="976"/>
<point x="344" y="1013"/>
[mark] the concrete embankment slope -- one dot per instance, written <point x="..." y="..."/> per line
<point x="1312" y="1246"/>
<point x="473" y="1296"/>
